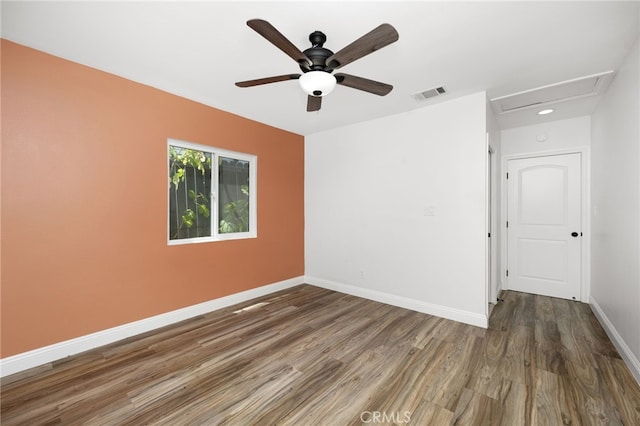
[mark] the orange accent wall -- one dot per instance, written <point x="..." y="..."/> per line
<point x="84" y="202"/>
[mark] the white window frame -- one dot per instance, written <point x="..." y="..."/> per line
<point x="214" y="214"/>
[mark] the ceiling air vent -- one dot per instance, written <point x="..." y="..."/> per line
<point x="430" y="93"/>
<point x="554" y="93"/>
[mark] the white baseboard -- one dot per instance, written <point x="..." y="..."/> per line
<point x="40" y="356"/>
<point x="627" y="355"/>
<point x="466" y="317"/>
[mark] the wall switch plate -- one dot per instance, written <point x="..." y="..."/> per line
<point x="429" y="210"/>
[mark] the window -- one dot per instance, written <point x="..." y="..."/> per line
<point x="212" y="194"/>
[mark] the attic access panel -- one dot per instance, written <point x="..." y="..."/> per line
<point x="559" y="92"/>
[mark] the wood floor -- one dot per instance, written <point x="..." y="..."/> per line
<point x="309" y="356"/>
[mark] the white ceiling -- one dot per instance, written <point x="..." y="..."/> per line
<point x="199" y="49"/>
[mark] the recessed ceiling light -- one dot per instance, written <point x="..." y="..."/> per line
<point x="545" y="111"/>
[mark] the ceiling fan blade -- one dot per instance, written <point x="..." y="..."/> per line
<point x="374" y="40"/>
<point x="314" y="103"/>
<point x="268" y="31"/>
<point x="267" y="80"/>
<point x="365" y="84"/>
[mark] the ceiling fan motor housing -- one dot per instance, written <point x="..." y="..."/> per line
<point x="317" y="54"/>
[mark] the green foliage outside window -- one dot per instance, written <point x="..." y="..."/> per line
<point x="185" y="165"/>
<point x="190" y="186"/>
<point x="235" y="214"/>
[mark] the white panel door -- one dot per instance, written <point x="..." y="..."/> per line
<point x="544" y="225"/>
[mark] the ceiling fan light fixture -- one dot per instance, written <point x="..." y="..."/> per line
<point x="317" y="83"/>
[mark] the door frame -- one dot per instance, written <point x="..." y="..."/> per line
<point x="585" y="164"/>
<point x="492" y="223"/>
<point x="490" y="245"/>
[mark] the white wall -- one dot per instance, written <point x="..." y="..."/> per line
<point x="615" y="274"/>
<point x="367" y="189"/>
<point x="555" y="135"/>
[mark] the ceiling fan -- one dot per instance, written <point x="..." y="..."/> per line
<point x="318" y="63"/>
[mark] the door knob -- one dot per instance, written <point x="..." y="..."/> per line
<point x="574" y="234"/>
